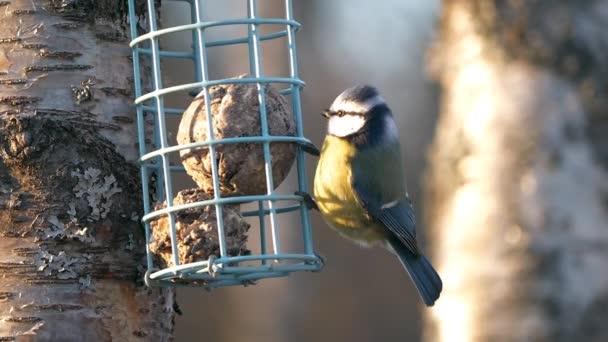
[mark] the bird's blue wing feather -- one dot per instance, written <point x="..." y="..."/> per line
<point x="401" y="222"/>
<point x="397" y="218"/>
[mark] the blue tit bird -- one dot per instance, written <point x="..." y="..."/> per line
<point x="359" y="183"/>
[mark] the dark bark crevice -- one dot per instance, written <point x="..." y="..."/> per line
<point x="115" y="10"/>
<point x="71" y="241"/>
<point x="64" y="173"/>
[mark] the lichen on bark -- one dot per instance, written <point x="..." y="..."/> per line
<point x="71" y="244"/>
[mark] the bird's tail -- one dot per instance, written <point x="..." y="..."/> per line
<point x="421" y="271"/>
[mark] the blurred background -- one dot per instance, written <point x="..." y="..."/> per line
<point x="506" y="166"/>
<point x="361" y="295"/>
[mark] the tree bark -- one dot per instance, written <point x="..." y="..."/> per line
<point x="71" y="245"/>
<point x="517" y="189"/>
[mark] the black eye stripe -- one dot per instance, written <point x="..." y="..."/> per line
<point x="342" y="113"/>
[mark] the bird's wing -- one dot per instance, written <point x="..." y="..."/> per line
<point x="399" y="219"/>
<point x="396" y="215"/>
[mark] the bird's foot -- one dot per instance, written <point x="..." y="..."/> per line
<point x="308" y="200"/>
<point x="320" y="262"/>
<point x="310" y="148"/>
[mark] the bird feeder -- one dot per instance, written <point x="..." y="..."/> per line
<point x="209" y="218"/>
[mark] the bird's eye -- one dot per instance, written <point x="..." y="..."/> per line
<point x="341" y="113"/>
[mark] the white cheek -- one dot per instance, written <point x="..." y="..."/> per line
<point x="354" y="106"/>
<point x="342" y="126"/>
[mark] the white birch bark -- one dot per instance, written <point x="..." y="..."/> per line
<point x="518" y="182"/>
<point x="71" y="245"/>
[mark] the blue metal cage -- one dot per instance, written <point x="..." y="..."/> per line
<point x="224" y="269"/>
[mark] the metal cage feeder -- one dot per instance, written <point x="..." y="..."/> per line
<point x="223" y="269"/>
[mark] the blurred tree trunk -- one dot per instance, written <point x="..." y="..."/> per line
<point x="71" y="244"/>
<point x="518" y="188"/>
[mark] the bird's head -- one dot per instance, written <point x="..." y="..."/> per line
<point x="352" y="109"/>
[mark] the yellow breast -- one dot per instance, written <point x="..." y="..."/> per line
<point x="335" y="197"/>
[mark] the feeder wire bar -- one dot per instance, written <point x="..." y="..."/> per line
<point x="201" y="59"/>
<point x="162" y="129"/>
<point x="201" y="25"/>
<point x="262" y="220"/>
<point x="296" y="103"/>
<point x="140" y="128"/>
<point x="187" y="86"/>
<point x="220" y="201"/>
<point x="257" y="62"/>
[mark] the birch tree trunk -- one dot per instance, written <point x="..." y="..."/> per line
<point x="71" y="245"/>
<point x="518" y="186"/>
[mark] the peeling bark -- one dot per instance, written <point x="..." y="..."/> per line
<point x="71" y="245"/>
<point x="518" y="180"/>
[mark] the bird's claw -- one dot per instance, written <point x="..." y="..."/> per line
<point x="308" y="200"/>
<point x="321" y="261"/>
<point x="310" y="148"/>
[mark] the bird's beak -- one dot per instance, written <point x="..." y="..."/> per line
<point x="325" y="114"/>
